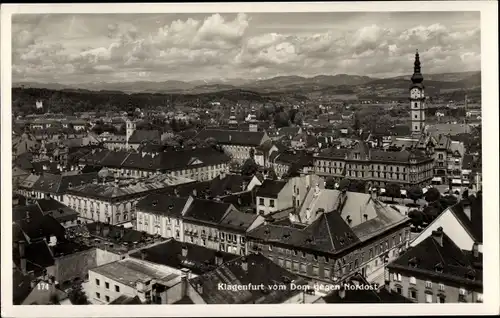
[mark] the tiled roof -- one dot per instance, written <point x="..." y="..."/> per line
<point x="233" y="137"/>
<point x="239" y="221"/>
<point x="364" y="296"/>
<point x="241" y="200"/>
<point x="260" y="270"/>
<point x="139" y="136"/>
<point x="38" y="257"/>
<point x="57" y="210"/>
<point x="397" y="156"/>
<point x="163" y="204"/>
<point x="329" y="234"/>
<point x="207" y="211"/>
<point x="198" y="259"/>
<point x="36" y="226"/>
<point x="21" y="286"/>
<point x="167" y="161"/>
<point x="270" y="188"/>
<point x="333" y="153"/>
<point x="229" y="183"/>
<point x="454" y="262"/>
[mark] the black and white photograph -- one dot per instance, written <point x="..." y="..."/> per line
<point x="312" y="157"/>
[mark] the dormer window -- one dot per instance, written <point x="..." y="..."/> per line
<point x="438" y="268"/>
<point x="412" y="262"/>
<point x="471" y="275"/>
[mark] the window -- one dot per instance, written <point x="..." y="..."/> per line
<point x="281" y="262"/>
<point x="428" y="284"/>
<point x="303" y="268"/>
<point x="413" y="294"/>
<point x="261" y="201"/>
<point x="479" y="297"/>
<point x="98" y="295"/>
<point x="326" y="272"/>
<point x="463" y="291"/>
<point x="441" y="299"/>
<point x="428" y="298"/>
<point x="315" y="271"/>
<point x="288" y="264"/>
<point x="441" y="287"/>
<point x="107" y="298"/>
<point x="97" y="282"/>
<point x="271" y="203"/>
<point x="295" y="266"/>
<point x="413" y="280"/>
<point x="270" y="248"/>
<point x="117" y="288"/>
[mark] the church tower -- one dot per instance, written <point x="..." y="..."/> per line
<point x="417" y="99"/>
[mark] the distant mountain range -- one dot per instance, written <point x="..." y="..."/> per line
<point x="351" y="86"/>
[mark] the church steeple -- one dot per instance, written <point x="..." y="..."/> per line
<point x="417" y="76"/>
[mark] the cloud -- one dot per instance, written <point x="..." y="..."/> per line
<point x="79" y="48"/>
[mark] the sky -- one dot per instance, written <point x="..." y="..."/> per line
<point x="84" y="48"/>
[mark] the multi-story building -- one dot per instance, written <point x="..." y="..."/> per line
<point x="112" y="202"/>
<point x="212" y="224"/>
<point x="376" y="167"/>
<point x="448" y="156"/>
<point x="199" y="164"/>
<point x="436" y="270"/>
<point x="216" y="287"/>
<point x="357" y="234"/>
<point x="131" y="277"/>
<point x="277" y="195"/>
<point x="46" y="185"/>
<point x="237" y="144"/>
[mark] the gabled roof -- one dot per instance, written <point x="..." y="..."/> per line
<point x="202" y="210"/>
<point x="139" y="136"/>
<point x="260" y="270"/>
<point x="328" y="234"/>
<point x="271" y="188"/>
<point x="454" y="262"/>
<point x="233" y="137"/>
<point x="239" y="221"/>
<point x="163" y="204"/>
<point x="126" y="300"/>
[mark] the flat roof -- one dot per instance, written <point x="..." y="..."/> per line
<point x="129" y="271"/>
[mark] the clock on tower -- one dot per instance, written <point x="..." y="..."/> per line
<point x="417" y="99"/>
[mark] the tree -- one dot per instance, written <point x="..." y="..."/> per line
<point x="281" y="120"/>
<point x="344" y="184"/>
<point x="448" y="201"/>
<point x="415" y="193"/>
<point x="416" y="217"/>
<point x="77" y="296"/>
<point x="249" y="167"/>
<point x="357" y="186"/>
<point x="330" y="184"/>
<point x="432" y="195"/>
<point x="272" y="174"/>
<point x="298" y="118"/>
<point x="431" y="212"/>
<point x="356" y="123"/>
<point x="393" y="190"/>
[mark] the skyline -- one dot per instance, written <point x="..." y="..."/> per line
<point x="84" y="48"/>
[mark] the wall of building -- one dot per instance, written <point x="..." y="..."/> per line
<point x="430" y="286"/>
<point x="104" y="292"/>
<point x="75" y="265"/>
<point x="159" y="224"/>
<point x="105" y="257"/>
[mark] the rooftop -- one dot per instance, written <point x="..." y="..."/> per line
<point x="129" y="271"/>
<point x="198" y="259"/>
<point x="271" y="188"/>
<point x="235" y="137"/>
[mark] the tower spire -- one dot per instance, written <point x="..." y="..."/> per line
<point x="417" y="75"/>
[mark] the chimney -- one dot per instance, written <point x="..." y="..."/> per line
<point x="438" y="236"/>
<point x="22" y="255"/>
<point x="184" y="281"/>
<point x="98" y="227"/>
<point x="342" y="292"/>
<point x="143" y="254"/>
<point x="475" y="250"/>
<point x="218" y="258"/>
<point x="195" y="193"/>
<point x="244" y="264"/>
<point x="184" y="251"/>
<point x="122" y="231"/>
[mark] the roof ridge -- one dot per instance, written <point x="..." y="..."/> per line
<point x="328" y="228"/>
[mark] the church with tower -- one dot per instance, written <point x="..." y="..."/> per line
<point x="417" y="99"/>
